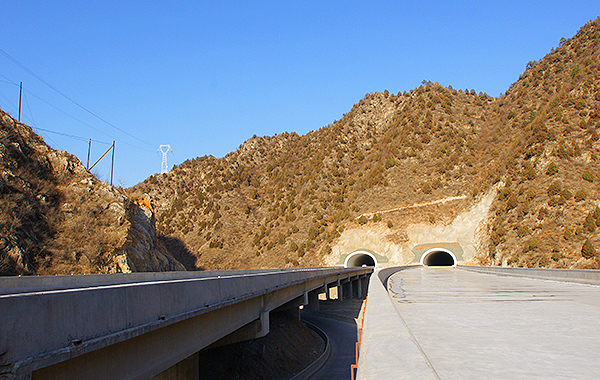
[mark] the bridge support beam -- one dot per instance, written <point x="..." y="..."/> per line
<point x="253" y="330"/>
<point x="346" y="290"/>
<point x="187" y="369"/>
<point x="313" y="300"/>
<point x="357" y="288"/>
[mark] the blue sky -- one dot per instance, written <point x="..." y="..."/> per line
<point x="204" y="76"/>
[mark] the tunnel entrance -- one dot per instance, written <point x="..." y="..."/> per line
<point x="360" y="258"/>
<point x="438" y="258"/>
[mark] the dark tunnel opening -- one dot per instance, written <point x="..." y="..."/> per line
<point x="360" y="259"/>
<point x="439" y="259"/>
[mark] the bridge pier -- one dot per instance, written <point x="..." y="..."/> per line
<point x="313" y="300"/>
<point x="346" y="290"/>
<point x="187" y="369"/>
<point x="357" y="288"/>
<point x="326" y="291"/>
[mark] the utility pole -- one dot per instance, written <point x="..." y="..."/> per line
<point x="20" y="96"/>
<point x="112" y="166"/>
<point x="164" y="149"/>
<point x="89" y="151"/>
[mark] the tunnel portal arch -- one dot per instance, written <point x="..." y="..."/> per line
<point x="360" y="258"/>
<point x="438" y="257"/>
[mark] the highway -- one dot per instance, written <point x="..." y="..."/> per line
<point x="450" y="323"/>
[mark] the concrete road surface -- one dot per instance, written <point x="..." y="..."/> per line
<point x="338" y="320"/>
<point x="469" y="325"/>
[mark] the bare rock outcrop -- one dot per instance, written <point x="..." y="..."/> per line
<point x="57" y="218"/>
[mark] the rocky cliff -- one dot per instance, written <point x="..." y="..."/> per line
<point x="57" y="218"/>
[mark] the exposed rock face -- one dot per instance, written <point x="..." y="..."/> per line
<point x="143" y="252"/>
<point x="56" y="218"/>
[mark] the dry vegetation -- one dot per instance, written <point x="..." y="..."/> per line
<point x="284" y="200"/>
<point x="56" y="218"/>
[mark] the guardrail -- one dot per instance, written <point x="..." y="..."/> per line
<point x="581" y="276"/>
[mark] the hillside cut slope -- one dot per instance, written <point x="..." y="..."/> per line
<point x="56" y="218"/>
<point x="400" y="166"/>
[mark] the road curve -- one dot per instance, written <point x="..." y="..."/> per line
<point x="468" y="325"/>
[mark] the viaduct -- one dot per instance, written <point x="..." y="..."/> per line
<point x="147" y="325"/>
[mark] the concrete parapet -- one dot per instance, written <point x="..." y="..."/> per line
<point x="388" y="347"/>
<point x="581" y="276"/>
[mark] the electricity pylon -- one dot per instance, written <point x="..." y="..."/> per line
<point x="164" y="149"/>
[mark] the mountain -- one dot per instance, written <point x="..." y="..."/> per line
<point x="56" y="218"/>
<point x="513" y="179"/>
<point x="517" y="176"/>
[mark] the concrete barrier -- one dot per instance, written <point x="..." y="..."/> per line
<point x="581" y="276"/>
<point x="136" y="325"/>
<point x="387" y="344"/>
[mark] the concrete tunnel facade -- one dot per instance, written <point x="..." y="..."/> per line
<point x="438" y="254"/>
<point x="438" y="257"/>
<point x="362" y="257"/>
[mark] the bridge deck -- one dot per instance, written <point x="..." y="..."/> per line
<point x="455" y="324"/>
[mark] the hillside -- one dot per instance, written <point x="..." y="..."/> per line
<point x="518" y="174"/>
<point x="56" y="218"/>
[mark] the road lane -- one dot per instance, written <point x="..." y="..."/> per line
<point x="338" y="320"/>
<point x="472" y="325"/>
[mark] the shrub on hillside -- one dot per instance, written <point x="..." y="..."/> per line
<point x="567" y="233"/>
<point x="552" y="169"/>
<point x="530" y="194"/>
<point x="554" y="188"/>
<point x="566" y="194"/>
<point x="587" y="250"/>
<point x="588" y="176"/>
<point x="580" y="196"/>
<point x="590" y="223"/>
<point x="531" y="245"/>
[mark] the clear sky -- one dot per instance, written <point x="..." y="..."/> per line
<point x="204" y="76"/>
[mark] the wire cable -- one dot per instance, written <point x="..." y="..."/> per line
<point x="71" y="116"/>
<point x="30" y="113"/>
<point x="72" y="136"/>
<point x="70" y="99"/>
<point x="84" y="123"/>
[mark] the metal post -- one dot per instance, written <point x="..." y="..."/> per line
<point x="89" y="151"/>
<point x="20" y="96"/>
<point x="112" y="167"/>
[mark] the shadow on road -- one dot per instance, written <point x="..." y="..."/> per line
<point x="340" y="321"/>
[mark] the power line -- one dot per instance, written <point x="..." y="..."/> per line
<point x="84" y="123"/>
<point x="68" y="98"/>
<point x="30" y="113"/>
<point x="72" y="136"/>
<point x="67" y="114"/>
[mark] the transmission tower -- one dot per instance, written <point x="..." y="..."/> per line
<point x="164" y="149"/>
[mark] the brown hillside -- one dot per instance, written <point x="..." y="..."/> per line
<point x="286" y="200"/>
<point x="56" y="218"/>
